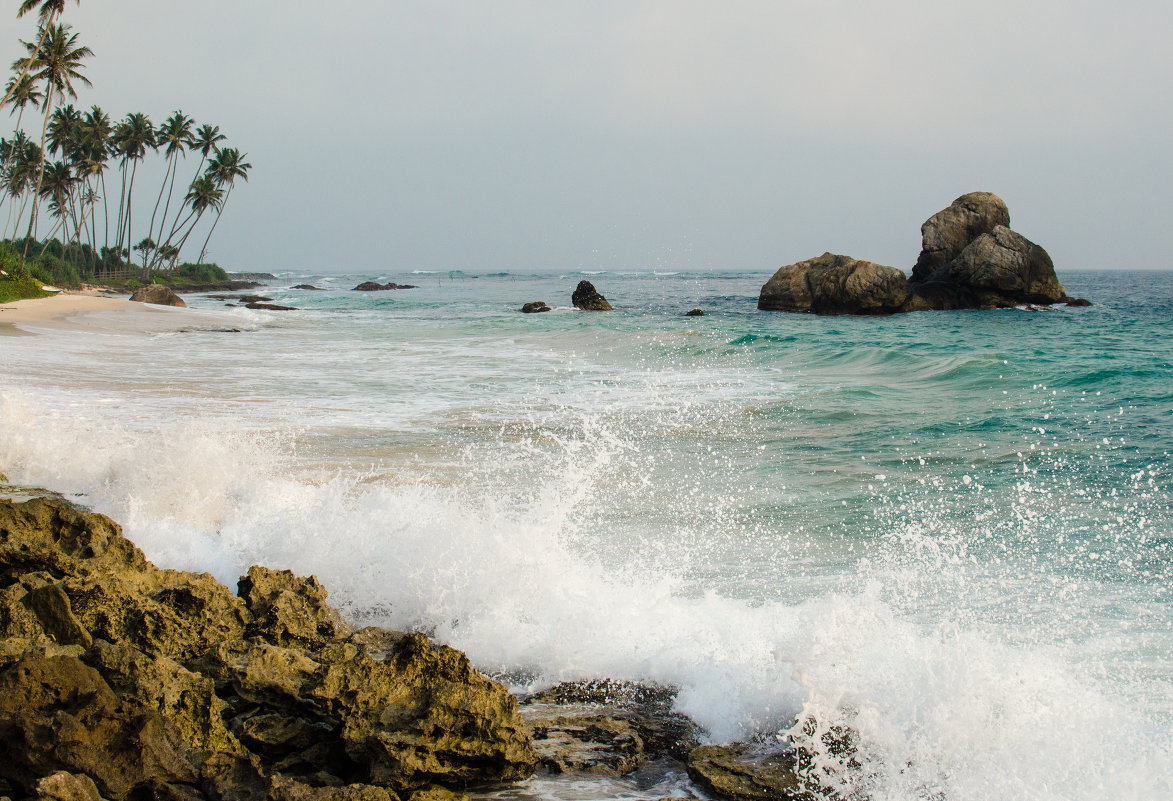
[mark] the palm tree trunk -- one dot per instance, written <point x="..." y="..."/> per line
<point x="158" y="200"/>
<point x="40" y="177"/>
<point x="219" y="211"/>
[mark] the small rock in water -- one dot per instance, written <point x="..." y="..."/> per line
<point x="309" y="286"/>
<point x="535" y="307"/>
<point x="695" y="313"/>
<point x="374" y="286"/>
<point x="587" y="298"/>
<point x="158" y="295"/>
<point x="269" y="306"/>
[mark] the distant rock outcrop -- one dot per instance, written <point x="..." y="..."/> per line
<point x="587" y="298"/>
<point x="949" y="231"/>
<point x="537" y="307"/>
<point x="157" y="294"/>
<point x="375" y="286"/>
<point x="834" y="284"/>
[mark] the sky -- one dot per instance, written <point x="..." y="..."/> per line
<point x="652" y="134"/>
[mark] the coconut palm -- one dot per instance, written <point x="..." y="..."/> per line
<point x="48" y="11"/>
<point x="94" y="135"/>
<point x="24" y="92"/>
<point x="56" y="64"/>
<point x="20" y="172"/>
<point x="174" y="136"/>
<point x="203" y="195"/>
<point x="132" y="138"/>
<point x="225" y="168"/>
<point x="206" y="139"/>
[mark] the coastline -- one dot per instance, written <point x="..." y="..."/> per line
<point x="89" y="312"/>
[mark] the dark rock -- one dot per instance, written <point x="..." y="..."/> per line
<point x="587" y="298"/>
<point x="157" y="294"/>
<point x="1077" y="301"/>
<point x="535" y="307"/>
<point x="289" y="611"/>
<point x="270" y="307"/>
<point x="834" y="284"/>
<point x="242" y="298"/>
<point x="309" y="286"/>
<point x="949" y="231"/>
<point x="606" y="727"/>
<point x="252" y="276"/>
<point x="739" y="773"/>
<point x="695" y="313"/>
<point x="373" y="286"/>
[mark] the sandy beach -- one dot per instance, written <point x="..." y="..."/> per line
<point x="82" y="311"/>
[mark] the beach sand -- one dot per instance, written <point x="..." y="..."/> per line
<point x="87" y="312"/>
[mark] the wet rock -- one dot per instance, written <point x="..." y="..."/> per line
<point x="157" y="294"/>
<point x="1076" y="302"/>
<point x="695" y="313"/>
<point x="949" y="231"/>
<point x="535" y="308"/>
<point x="741" y="773"/>
<point x="242" y="298"/>
<point x="835" y="284"/>
<point x="270" y="306"/>
<point x="587" y="298"/>
<point x="606" y="727"/>
<point x="309" y="287"/>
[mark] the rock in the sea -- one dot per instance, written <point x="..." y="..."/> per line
<point x="997" y="269"/>
<point x="835" y="284"/>
<point x="587" y="298"/>
<point x="309" y="286"/>
<point x="695" y="313"/>
<point x="739" y="773"/>
<point x="374" y="286"/>
<point x="536" y="307"/>
<point x="161" y="684"/>
<point x="157" y="294"/>
<point x="949" y="231"/>
<point x="269" y="306"/>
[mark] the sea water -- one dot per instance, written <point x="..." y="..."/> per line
<point x="950" y="532"/>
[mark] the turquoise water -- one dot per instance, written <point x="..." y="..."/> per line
<point x="951" y="531"/>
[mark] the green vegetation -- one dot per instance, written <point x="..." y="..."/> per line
<point x="90" y="228"/>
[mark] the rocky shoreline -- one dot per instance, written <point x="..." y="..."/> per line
<point x="120" y="680"/>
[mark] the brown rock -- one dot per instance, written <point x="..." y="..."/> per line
<point x="289" y="611"/>
<point x="587" y="298"/>
<point x="1010" y="265"/>
<point x="157" y="294"/>
<point x="738" y="773"/>
<point x="949" y="231"/>
<point x="535" y="308"/>
<point x="695" y="313"/>
<point x="835" y="284"/>
<point x="63" y="786"/>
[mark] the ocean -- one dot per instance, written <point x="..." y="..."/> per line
<point x="951" y="532"/>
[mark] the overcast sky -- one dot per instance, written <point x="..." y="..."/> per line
<point x="538" y="134"/>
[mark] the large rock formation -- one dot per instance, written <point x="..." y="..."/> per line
<point x="969" y="259"/>
<point x="157" y="294"/>
<point x="587" y="298"/>
<point x="159" y="684"/>
<point x="834" y="284"/>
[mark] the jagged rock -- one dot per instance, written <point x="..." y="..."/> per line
<point x="63" y="786"/>
<point x="835" y="284"/>
<point x="434" y="792"/>
<point x="695" y="313"/>
<point x="142" y="703"/>
<point x="535" y="308"/>
<point x="739" y="773"/>
<point x="289" y="611"/>
<point x="949" y="231"/>
<point x="157" y="294"/>
<point x="234" y="777"/>
<point x="56" y="713"/>
<point x="606" y="727"/>
<point x="587" y="298"/>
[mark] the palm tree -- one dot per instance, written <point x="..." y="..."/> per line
<point x="203" y="195"/>
<point x="206" y="139"/>
<point x="56" y="64"/>
<point x="174" y="136"/>
<point x="57" y="188"/>
<point x="49" y="11"/>
<point x="226" y="167"/>
<point x="19" y="173"/>
<point x="132" y="137"/>
<point x="94" y="134"/>
<point x="23" y="92"/>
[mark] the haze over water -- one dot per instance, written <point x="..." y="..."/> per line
<point x="949" y="531"/>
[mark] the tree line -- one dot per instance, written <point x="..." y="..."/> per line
<point x="76" y="180"/>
